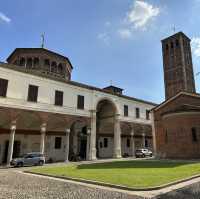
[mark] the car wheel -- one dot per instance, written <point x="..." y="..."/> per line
<point x="41" y="163"/>
<point x="20" y="164"/>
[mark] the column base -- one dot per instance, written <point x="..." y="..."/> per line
<point x="117" y="153"/>
<point x="93" y="156"/>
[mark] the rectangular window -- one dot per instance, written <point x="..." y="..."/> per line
<point x="105" y="142"/>
<point x="146" y="143"/>
<point x="147" y="114"/>
<point x="58" y="98"/>
<point x="32" y="93"/>
<point x="137" y="112"/>
<point x="80" y="102"/>
<point x="166" y="137"/>
<point x="128" y="143"/>
<point x="126" y="110"/>
<point x="194" y="135"/>
<point x="58" y="142"/>
<point x="3" y="87"/>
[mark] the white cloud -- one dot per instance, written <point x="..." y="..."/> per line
<point x="104" y="37"/>
<point x="141" y="14"/>
<point x="4" y="18"/>
<point x="196" y="46"/>
<point x="125" y="33"/>
<point x="107" y="24"/>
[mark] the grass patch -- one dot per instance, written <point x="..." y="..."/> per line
<point x="134" y="174"/>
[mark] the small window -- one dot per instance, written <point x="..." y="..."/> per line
<point x="58" y="98"/>
<point x="105" y="142"/>
<point x="146" y="143"/>
<point x="54" y="67"/>
<point x="128" y="143"/>
<point x="172" y="45"/>
<point x="147" y="114"/>
<point x="166" y="137"/>
<point x="137" y="112"/>
<point x="126" y="110"/>
<point x="36" y="62"/>
<point x="194" y="135"/>
<point x="32" y="93"/>
<point x="58" y="142"/>
<point x="22" y="62"/>
<point x="167" y="47"/>
<point x="60" y="68"/>
<point x="47" y="64"/>
<point x="29" y="63"/>
<point x="177" y="43"/>
<point x="80" y="102"/>
<point x="101" y="145"/>
<point x="3" y="87"/>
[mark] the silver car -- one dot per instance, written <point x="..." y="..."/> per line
<point x="143" y="153"/>
<point x="29" y="159"/>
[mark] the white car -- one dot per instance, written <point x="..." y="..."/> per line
<point x="142" y="153"/>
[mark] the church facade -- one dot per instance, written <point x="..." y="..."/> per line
<point x="43" y="110"/>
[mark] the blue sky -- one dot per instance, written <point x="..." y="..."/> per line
<point x="105" y="40"/>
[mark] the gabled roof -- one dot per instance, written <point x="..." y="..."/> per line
<point x="39" y="49"/>
<point x="173" y="98"/>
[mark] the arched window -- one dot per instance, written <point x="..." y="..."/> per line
<point x="22" y="61"/>
<point x="172" y="45"/>
<point x="29" y="63"/>
<point x="194" y="135"/>
<point x="36" y="62"/>
<point x="177" y="43"/>
<point x="60" y="68"/>
<point x="53" y="67"/>
<point x="47" y="65"/>
<point x="167" y="47"/>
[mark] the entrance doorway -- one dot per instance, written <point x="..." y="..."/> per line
<point x="16" y="150"/>
<point x="83" y="143"/>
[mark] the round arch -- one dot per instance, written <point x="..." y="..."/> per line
<point x="115" y="105"/>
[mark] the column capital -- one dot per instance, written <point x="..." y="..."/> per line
<point x="132" y="134"/>
<point x="67" y="131"/>
<point x="43" y="127"/>
<point x="13" y="126"/>
<point x="117" y="116"/>
<point x="88" y="131"/>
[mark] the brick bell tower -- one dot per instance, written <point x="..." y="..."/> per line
<point x="177" y="63"/>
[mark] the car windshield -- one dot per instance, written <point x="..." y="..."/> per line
<point x="139" y="150"/>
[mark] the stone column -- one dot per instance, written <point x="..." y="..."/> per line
<point x="153" y="133"/>
<point x="11" y="142"/>
<point x="92" y="150"/>
<point x="117" y="138"/>
<point x="42" y="139"/>
<point x="132" y="143"/>
<point x="143" y="140"/>
<point x="88" y="144"/>
<point x="67" y="145"/>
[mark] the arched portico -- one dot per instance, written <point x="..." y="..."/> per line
<point x="108" y="130"/>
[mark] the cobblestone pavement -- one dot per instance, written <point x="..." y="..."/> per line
<point x="15" y="185"/>
<point x="189" y="192"/>
<point x="21" y="186"/>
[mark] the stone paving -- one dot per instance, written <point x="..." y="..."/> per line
<point x="16" y="185"/>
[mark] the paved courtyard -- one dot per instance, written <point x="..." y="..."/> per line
<point x="16" y="185"/>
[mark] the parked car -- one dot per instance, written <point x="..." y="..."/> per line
<point x="29" y="159"/>
<point x="143" y="153"/>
